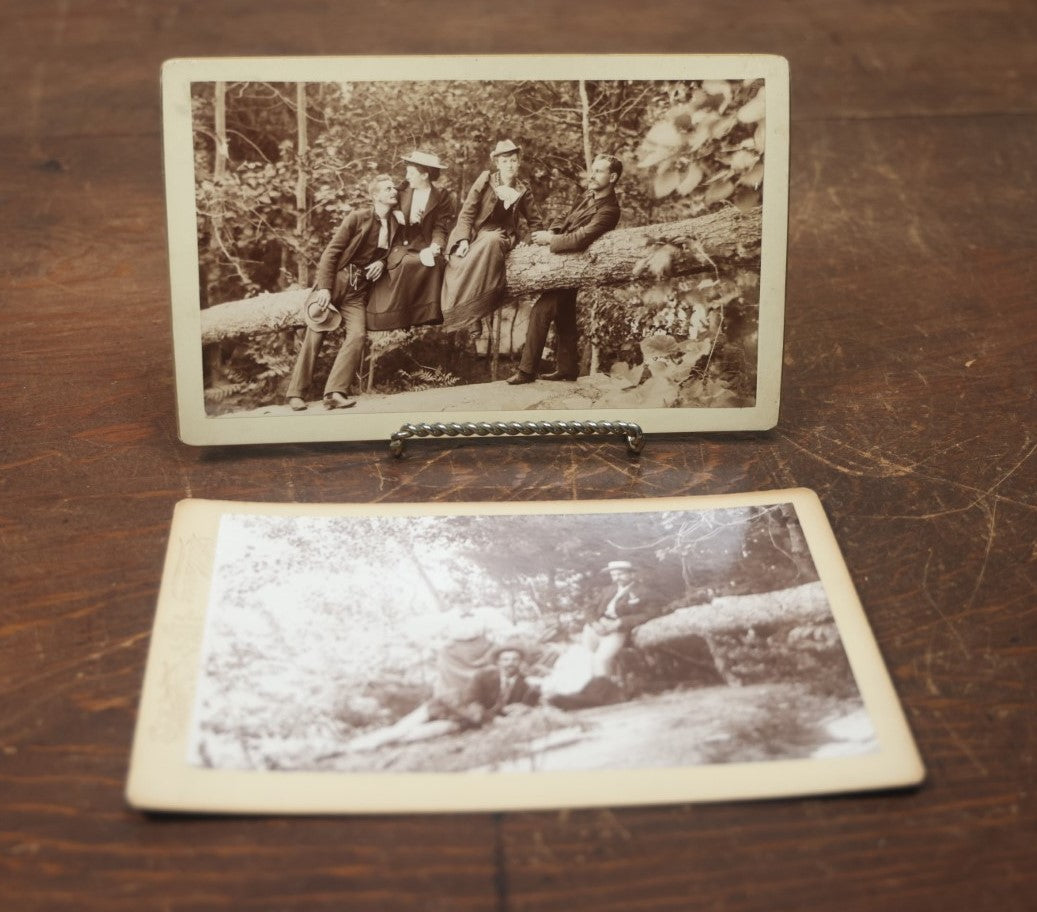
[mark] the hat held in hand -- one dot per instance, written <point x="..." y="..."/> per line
<point x="320" y="320"/>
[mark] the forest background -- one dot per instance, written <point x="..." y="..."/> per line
<point x="306" y="644"/>
<point x="277" y="166"/>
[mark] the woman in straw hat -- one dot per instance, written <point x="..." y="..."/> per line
<point x="411" y="294"/>
<point x="486" y="230"/>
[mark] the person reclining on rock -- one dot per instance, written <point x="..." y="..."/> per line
<point x="501" y="690"/>
<point x="468" y="694"/>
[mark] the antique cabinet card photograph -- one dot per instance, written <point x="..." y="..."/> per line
<point x="460" y="657"/>
<point x="357" y="243"/>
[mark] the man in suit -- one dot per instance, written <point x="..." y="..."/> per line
<point x="625" y="605"/>
<point x="411" y="294"/>
<point x="501" y="689"/>
<point x="597" y="213"/>
<point x="351" y="264"/>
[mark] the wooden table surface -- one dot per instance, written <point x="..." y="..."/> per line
<point x="907" y="405"/>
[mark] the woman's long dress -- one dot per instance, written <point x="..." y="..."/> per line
<point x="473" y="285"/>
<point x="408" y="295"/>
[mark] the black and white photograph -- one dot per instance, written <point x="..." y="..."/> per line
<point x="441" y="657"/>
<point x="481" y="241"/>
<point x="521" y="643"/>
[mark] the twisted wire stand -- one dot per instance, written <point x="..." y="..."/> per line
<point x="634" y="436"/>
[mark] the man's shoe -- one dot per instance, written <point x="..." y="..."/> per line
<point x="557" y="375"/>
<point x="519" y="377"/>
<point x="337" y="400"/>
<point x="296" y="404"/>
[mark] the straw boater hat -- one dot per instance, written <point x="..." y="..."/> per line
<point x="317" y="320"/>
<point x="619" y="565"/>
<point x="426" y="159"/>
<point x="510" y="646"/>
<point x="503" y="148"/>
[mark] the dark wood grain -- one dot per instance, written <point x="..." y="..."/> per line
<point x="907" y="404"/>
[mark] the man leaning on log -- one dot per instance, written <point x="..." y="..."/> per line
<point x="349" y="267"/>
<point x="597" y="213"/>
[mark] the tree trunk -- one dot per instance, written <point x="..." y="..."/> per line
<point x="302" y="267"/>
<point x="585" y="112"/>
<point x="214" y="353"/>
<point x="433" y="592"/>
<point x="595" y="351"/>
<point x="372" y="359"/>
<point x="495" y="331"/>
<point x="219" y="166"/>
<point x="690" y="247"/>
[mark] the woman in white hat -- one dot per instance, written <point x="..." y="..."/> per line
<point x="410" y="295"/>
<point x="486" y="230"/>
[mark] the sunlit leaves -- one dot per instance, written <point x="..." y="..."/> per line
<point x="693" y="175"/>
<point x="718" y="191"/>
<point x="660" y="261"/>
<point x="666" y="181"/>
<point x="706" y="143"/>
<point x="760" y="137"/>
<point x="663" y="142"/>
<point x="743" y="160"/>
<point x="755" y="110"/>
<point x="719" y="87"/>
<point x="723" y="125"/>
<point x="655" y="348"/>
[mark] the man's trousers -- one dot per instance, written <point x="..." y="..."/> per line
<point x="558" y="306"/>
<point x="354" y="318"/>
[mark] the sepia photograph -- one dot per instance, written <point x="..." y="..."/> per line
<point x="444" y="657"/>
<point x="482" y="241"/>
<point x="521" y="643"/>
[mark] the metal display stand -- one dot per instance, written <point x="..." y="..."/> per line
<point x="634" y="436"/>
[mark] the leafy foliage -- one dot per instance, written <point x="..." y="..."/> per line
<point x="424" y="378"/>
<point x="707" y="144"/>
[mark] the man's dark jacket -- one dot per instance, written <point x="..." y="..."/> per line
<point x="632" y="608"/>
<point x="344" y="244"/>
<point x="589" y="220"/>
<point x="485" y="690"/>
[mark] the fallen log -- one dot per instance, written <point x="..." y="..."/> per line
<point x="736" y="614"/>
<point x="724" y="625"/>
<point x="679" y="248"/>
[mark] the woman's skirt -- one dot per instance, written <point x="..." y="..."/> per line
<point x="473" y="285"/>
<point x="409" y="295"/>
